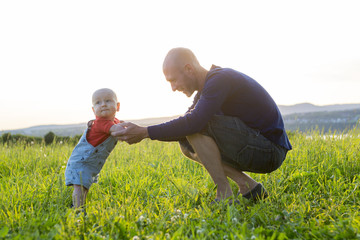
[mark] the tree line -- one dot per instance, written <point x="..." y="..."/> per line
<point x="49" y="138"/>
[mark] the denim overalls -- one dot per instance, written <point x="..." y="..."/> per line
<point x="86" y="161"/>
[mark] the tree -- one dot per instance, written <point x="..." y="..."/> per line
<point x="6" y="137"/>
<point x="49" y="138"/>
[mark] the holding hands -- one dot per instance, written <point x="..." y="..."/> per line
<point x="129" y="132"/>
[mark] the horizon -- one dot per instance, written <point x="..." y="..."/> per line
<point x="168" y="117"/>
<point x="50" y="64"/>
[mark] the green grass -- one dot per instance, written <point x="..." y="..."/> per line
<point x="150" y="191"/>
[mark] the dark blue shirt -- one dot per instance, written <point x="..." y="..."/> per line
<point x="230" y="93"/>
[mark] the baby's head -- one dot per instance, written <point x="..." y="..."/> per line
<point x="105" y="103"/>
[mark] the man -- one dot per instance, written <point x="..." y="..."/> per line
<point x="233" y="125"/>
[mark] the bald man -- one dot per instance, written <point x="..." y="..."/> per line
<point x="233" y="125"/>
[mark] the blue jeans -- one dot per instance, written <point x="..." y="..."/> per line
<point x="241" y="147"/>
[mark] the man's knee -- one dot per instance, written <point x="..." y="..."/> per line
<point x="195" y="137"/>
<point x="199" y="140"/>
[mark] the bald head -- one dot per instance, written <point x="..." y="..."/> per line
<point x="182" y="69"/>
<point x="104" y="92"/>
<point x="179" y="57"/>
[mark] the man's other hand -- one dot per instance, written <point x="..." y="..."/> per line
<point x="130" y="133"/>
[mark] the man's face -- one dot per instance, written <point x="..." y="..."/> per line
<point x="180" y="80"/>
<point x="105" y="104"/>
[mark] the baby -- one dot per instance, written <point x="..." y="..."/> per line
<point x="95" y="145"/>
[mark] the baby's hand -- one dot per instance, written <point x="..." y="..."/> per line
<point x="116" y="128"/>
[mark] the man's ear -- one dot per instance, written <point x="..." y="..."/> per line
<point x="189" y="69"/>
<point x="118" y="106"/>
<point x="93" y="109"/>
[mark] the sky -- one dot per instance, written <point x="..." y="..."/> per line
<point x="55" y="54"/>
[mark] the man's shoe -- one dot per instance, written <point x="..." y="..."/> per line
<point x="257" y="193"/>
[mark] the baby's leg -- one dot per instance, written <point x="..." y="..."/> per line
<point x="79" y="196"/>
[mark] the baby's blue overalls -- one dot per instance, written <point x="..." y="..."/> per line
<point x="86" y="161"/>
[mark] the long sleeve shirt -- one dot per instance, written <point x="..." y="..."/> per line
<point x="231" y="93"/>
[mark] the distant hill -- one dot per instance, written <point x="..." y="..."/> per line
<point x="323" y="121"/>
<point x="308" y="107"/>
<point x="60" y="130"/>
<point x="77" y="129"/>
<point x="300" y="116"/>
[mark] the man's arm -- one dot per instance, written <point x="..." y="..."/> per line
<point x="129" y="132"/>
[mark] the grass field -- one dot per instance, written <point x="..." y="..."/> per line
<point x="150" y="191"/>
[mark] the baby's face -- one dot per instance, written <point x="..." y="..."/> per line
<point x="105" y="104"/>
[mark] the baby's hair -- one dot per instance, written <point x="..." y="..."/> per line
<point x="105" y="89"/>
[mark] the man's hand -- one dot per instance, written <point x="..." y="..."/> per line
<point x="116" y="127"/>
<point x="130" y="133"/>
